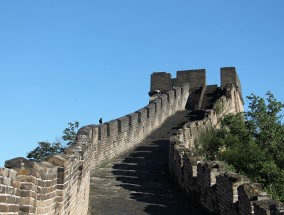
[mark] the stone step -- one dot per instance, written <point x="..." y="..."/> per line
<point x="212" y="93"/>
<point x="137" y="182"/>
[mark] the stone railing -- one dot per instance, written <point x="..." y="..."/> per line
<point x="209" y="184"/>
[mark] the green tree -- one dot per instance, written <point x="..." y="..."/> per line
<point x="253" y="143"/>
<point x="46" y="148"/>
<point x="69" y="134"/>
<point x="264" y="119"/>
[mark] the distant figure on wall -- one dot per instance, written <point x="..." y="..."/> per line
<point x="101" y="121"/>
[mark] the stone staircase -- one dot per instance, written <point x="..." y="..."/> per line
<point x="212" y="93"/>
<point x="194" y="99"/>
<point x="203" y="98"/>
<point x="137" y="182"/>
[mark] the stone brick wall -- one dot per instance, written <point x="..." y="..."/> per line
<point x="120" y="135"/>
<point x="61" y="183"/>
<point x="229" y="75"/>
<point x="209" y="184"/>
<point x="196" y="78"/>
<point x="162" y="81"/>
<point x="9" y="191"/>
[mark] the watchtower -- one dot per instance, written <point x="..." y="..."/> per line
<point x="163" y="81"/>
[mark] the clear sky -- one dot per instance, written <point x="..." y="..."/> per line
<point x="68" y="60"/>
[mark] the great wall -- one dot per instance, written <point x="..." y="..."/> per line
<point x="125" y="166"/>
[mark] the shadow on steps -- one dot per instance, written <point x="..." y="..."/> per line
<point x="144" y="173"/>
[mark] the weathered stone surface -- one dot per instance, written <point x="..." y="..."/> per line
<point x="19" y="163"/>
<point x="233" y="177"/>
<point x="136" y="183"/>
<point x="216" y="191"/>
<point x="58" y="160"/>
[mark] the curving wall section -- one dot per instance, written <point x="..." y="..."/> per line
<point x="120" y="135"/>
<point x="209" y="184"/>
<point x="60" y="185"/>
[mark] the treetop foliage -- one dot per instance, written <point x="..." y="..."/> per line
<point x="69" y="134"/>
<point x="45" y="148"/>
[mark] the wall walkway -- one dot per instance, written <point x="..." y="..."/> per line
<point x="67" y="183"/>
<point x="210" y="185"/>
<point x="61" y="183"/>
<point x="137" y="182"/>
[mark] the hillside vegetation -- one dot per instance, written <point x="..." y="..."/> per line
<point x="252" y="143"/>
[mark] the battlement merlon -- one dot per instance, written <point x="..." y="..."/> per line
<point x="229" y="76"/>
<point x="196" y="78"/>
<point x="163" y="82"/>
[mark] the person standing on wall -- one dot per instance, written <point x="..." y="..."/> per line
<point x="101" y="121"/>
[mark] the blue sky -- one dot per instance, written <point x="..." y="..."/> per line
<point x="62" y="61"/>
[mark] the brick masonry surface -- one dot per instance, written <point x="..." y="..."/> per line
<point x="209" y="184"/>
<point x="61" y="183"/>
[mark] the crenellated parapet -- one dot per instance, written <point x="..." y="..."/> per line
<point x="209" y="183"/>
<point x="58" y="185"/>
<point x="229" y="76"/>
<point x="163" y="81"/>
<point x="120" y="135"/>
<point x="61" y="183"/>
